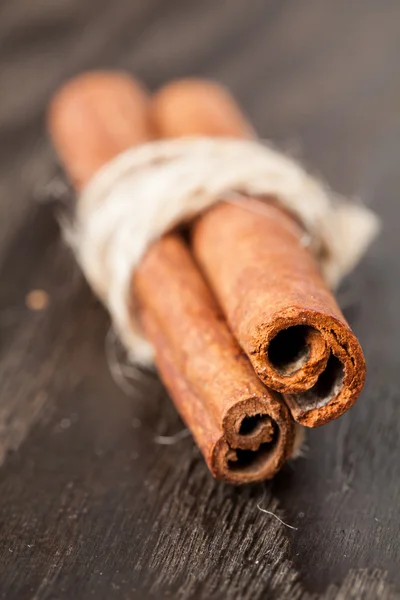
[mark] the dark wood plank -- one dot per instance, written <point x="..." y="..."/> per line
<point x="90" y="504"/>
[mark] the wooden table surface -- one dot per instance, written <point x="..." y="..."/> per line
<point x="91" y="505"/>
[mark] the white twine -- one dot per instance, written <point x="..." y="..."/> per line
<point x="148" y="190"/>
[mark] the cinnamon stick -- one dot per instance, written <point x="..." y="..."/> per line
<point x="172" y="290"/>
<point x="244" y="431"/>
<point x="268" y="285"/>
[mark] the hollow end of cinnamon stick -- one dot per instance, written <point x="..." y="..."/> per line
<point x="318" y="395"/>
<point x="339" y="384"/>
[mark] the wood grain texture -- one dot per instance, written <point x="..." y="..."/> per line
<point x="90" y="505"/>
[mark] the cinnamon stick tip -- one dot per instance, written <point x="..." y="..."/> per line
<point x="95" y="116"/>
<point x="191" y="86"/>
<point x="259" y="437"/>
<point x="75" y="90"/>
<point x="314" y="359"/>
<point x="195" y="106"/>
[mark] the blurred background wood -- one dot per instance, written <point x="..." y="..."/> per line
<point x="90" y="504"/>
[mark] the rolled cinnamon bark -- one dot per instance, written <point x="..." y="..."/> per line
<point x="244" y="431"/>
<point x="267" y="283"/>
<point x="251" y="418"/>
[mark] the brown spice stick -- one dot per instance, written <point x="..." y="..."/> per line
<point x="204" y="350"/>
<point x="244" y="431"/>
<point x="268" y="285"/>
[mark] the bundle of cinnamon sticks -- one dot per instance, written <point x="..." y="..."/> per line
<point x="247" y="337"/>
